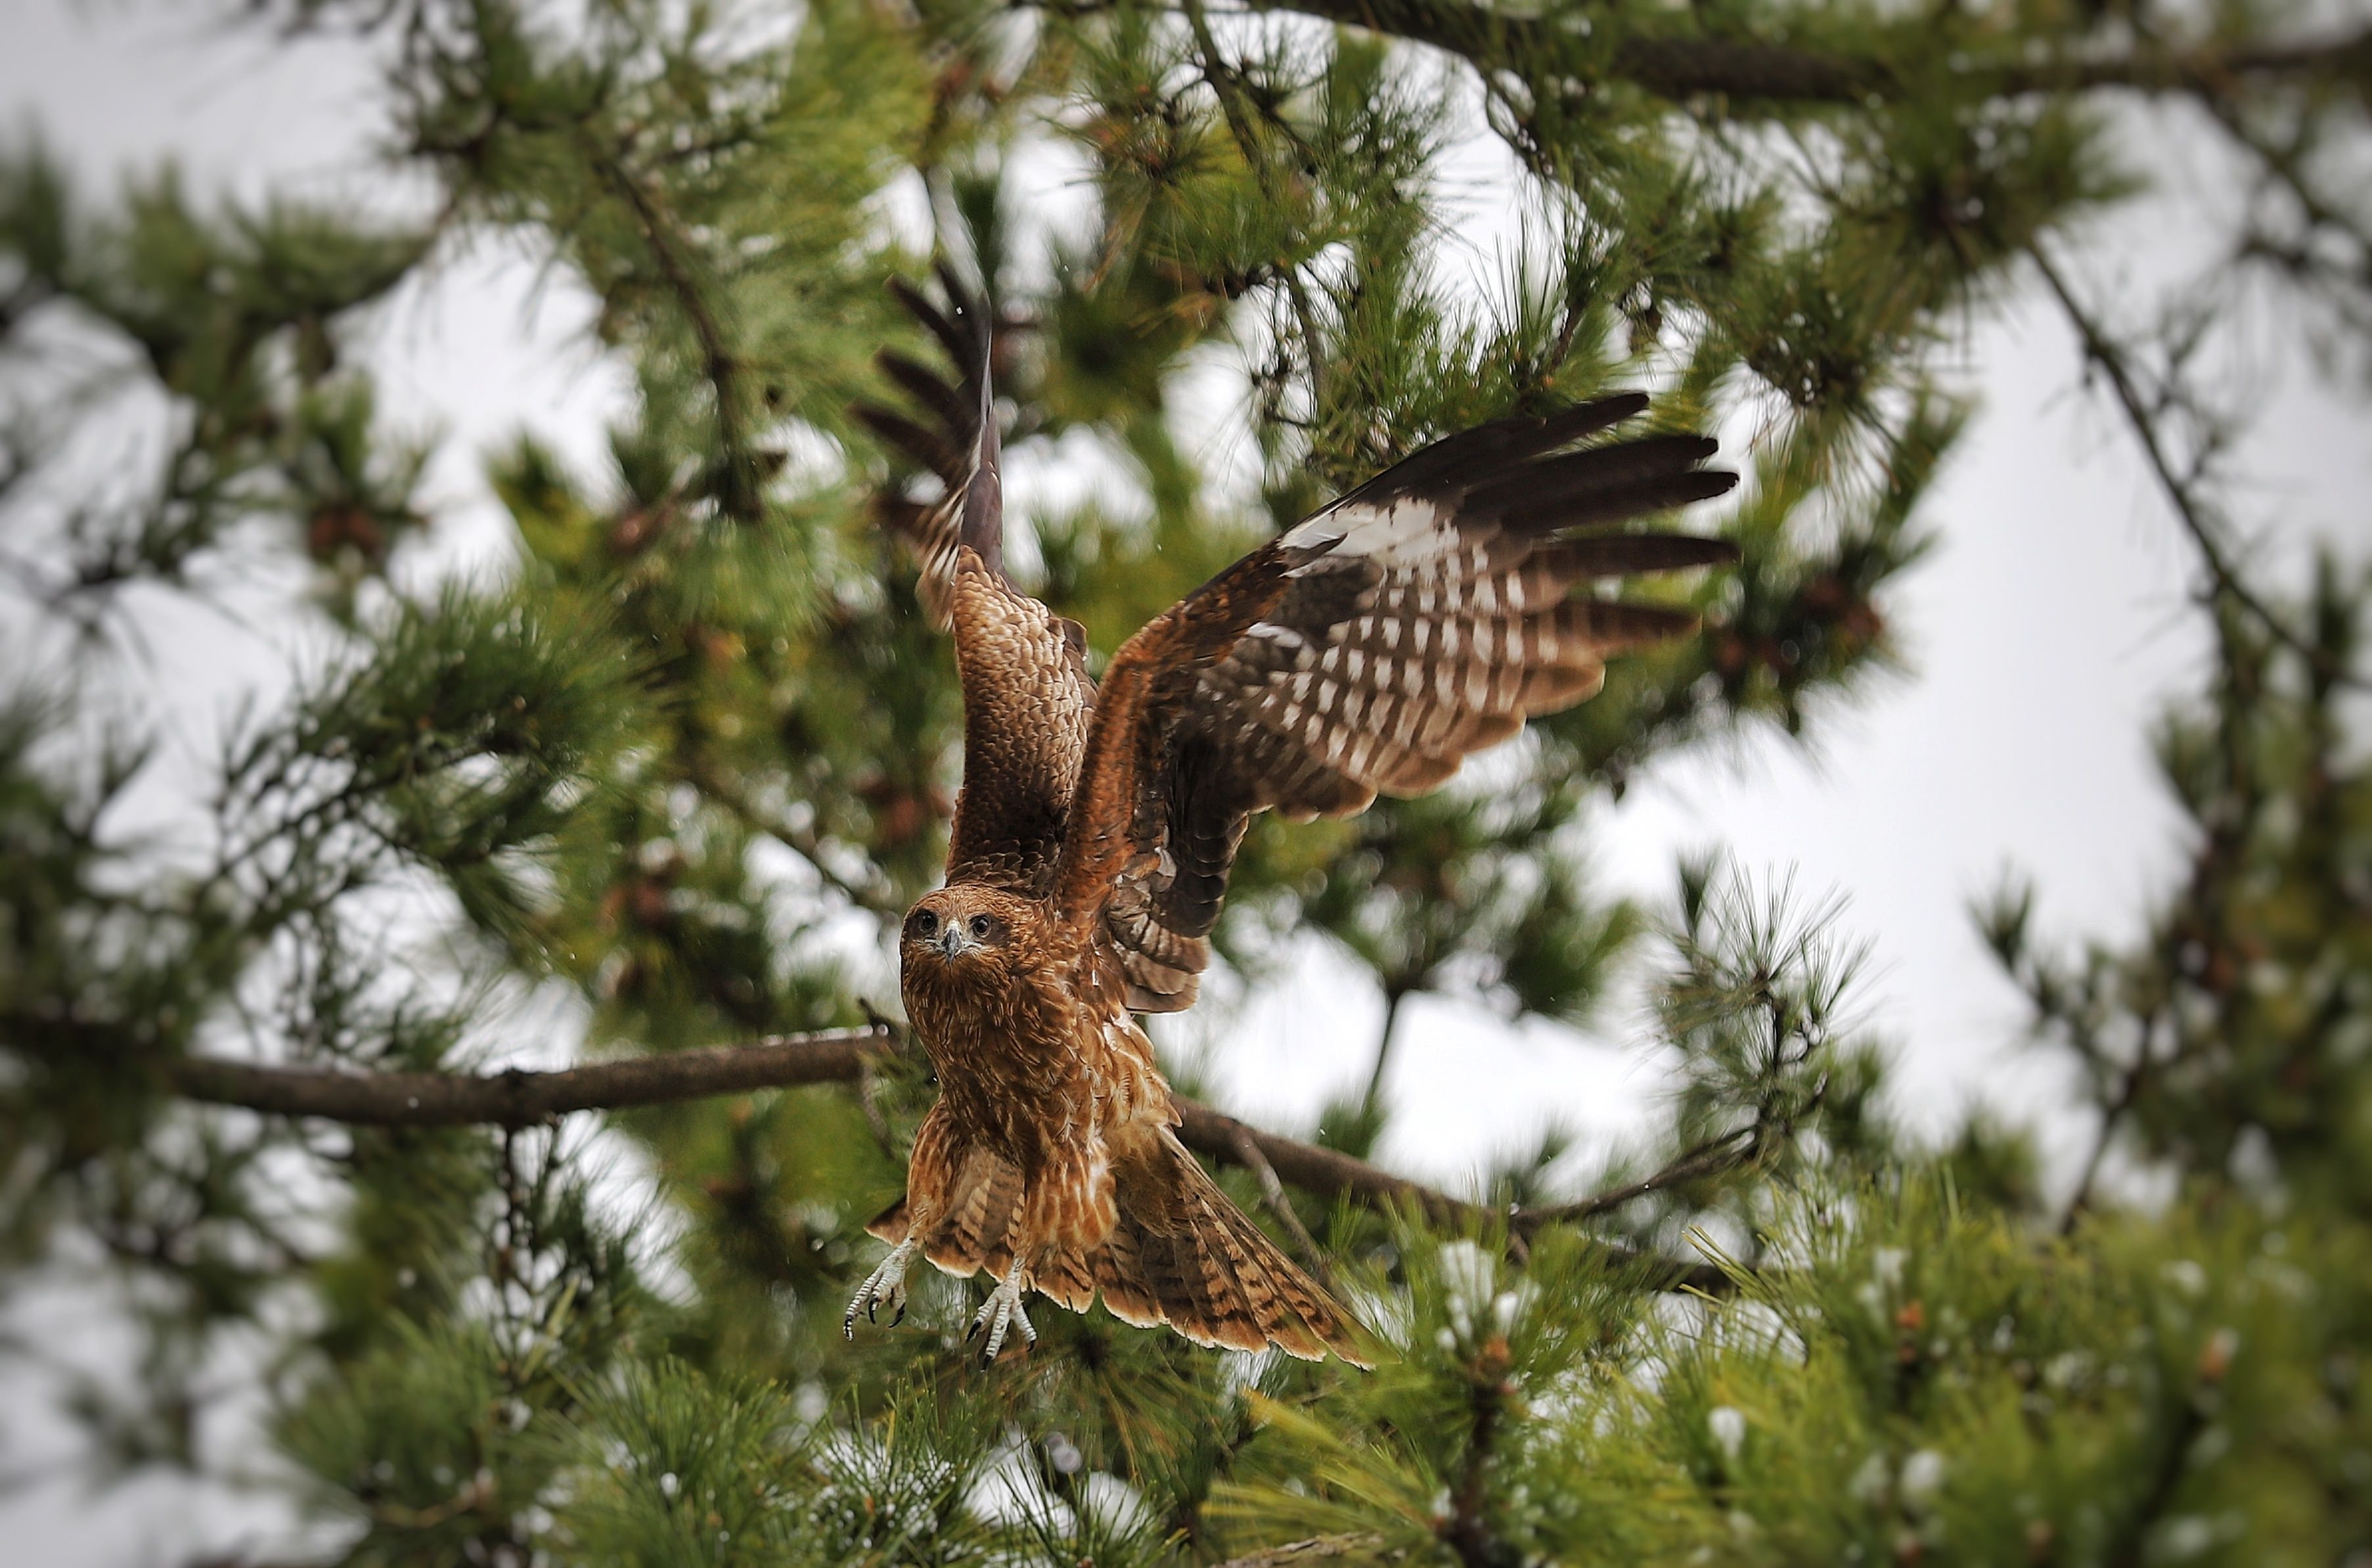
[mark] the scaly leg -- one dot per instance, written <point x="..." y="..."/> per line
<point x="1001" y="1311"/>
<point x="886" y="1284"/>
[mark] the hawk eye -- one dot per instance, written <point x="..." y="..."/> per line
<point x="982" y="928"/>
<point x="923" y="923"/>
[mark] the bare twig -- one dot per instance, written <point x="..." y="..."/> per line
<point x="737" y="494"/>
<point x="2191" y="509"/>
<point x="1709" y="1158"/>
<point x="1305" y="1246"/>
<point x="2111" y="1116"/>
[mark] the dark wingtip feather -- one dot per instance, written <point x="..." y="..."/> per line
<point x="1619" y="503"/>
<point x="1538" y="486"/>
<point x="926" y="387"/>
<point x="932" y="449"/>
<point x="1485" y="450"/>
<point x="1588" y="418"/>
<point x="1615" y="626"/>
<point x="954" y="335"/>
<point x="1620" y="554"/>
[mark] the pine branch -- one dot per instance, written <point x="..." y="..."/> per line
<point x="736" y="490"/>
<point x="1312" y="1549"/>
<point x="1226" y="84"/>
<point x="518" y="1097"/>
<point x="875" y="897"/>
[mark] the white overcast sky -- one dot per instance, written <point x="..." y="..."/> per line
<point x="2043" y="633"/>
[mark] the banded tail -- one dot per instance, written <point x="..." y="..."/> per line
<point x="1181" y="1256"/>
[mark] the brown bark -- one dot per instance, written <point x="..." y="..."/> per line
<point x="1751" y="69"/>
<point x="517" y="1099"/>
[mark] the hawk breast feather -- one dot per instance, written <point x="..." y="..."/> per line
<point x="1368" y="649"/>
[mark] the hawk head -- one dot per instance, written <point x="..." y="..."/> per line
<point x="963" y="931"/>
<point x="967" y="957"/>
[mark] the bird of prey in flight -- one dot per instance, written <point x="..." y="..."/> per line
<point x="1366" y="650"/>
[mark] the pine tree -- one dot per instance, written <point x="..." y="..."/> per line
<point x="701" y="733"/>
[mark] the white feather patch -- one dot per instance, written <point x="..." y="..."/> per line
<point x="1407" y="531"/>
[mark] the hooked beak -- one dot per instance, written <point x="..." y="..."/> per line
<point x="951" y="941"/>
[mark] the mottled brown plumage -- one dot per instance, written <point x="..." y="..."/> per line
<point x="1367" y="650"/>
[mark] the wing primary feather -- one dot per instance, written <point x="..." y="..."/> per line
<point x="932" y="449"/>
<point x="1588" y="418"/>
<point x="1577" y="473"/>
<point x="983" y="502"/>
<point x="918" y="305"/>
<point x="1619" y="554"/>
<point x="1621" y="503"/>
<point x="926" y="387"/>
<point x="1615" y="626"/>
<point x="1488" y="447"/>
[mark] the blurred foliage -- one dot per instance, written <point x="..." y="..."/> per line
<point x="664" y="782"/>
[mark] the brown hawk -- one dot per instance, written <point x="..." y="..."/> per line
<point x="1367" y="649"/>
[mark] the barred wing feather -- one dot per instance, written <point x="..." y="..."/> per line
<point x="1369" y="650"/>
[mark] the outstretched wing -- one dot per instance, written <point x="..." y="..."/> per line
<point x="1368" y="649"/>
<point x="1026" y="690"/>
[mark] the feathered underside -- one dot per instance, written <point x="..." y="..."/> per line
<point x="1368" y="650"/>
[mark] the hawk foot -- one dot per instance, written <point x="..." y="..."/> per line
<point x="1001" y="1311"/>
<point x="884" y="1286"/>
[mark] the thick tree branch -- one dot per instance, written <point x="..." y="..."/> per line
<point x="1750" y="69"/>
<point x="520" y="1097"/>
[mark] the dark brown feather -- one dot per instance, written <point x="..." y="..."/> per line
<point x="934" y="449"/>
<point x="1621" y="554"/>
<point x="960" y="345"/>
<point x="955" y="410"/>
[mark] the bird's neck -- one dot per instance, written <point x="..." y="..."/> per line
<point x="981" y="1021"/>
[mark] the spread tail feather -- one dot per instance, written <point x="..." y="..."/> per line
<point x="1183" y="1255"/>
<point x="1180" y="1254"/>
